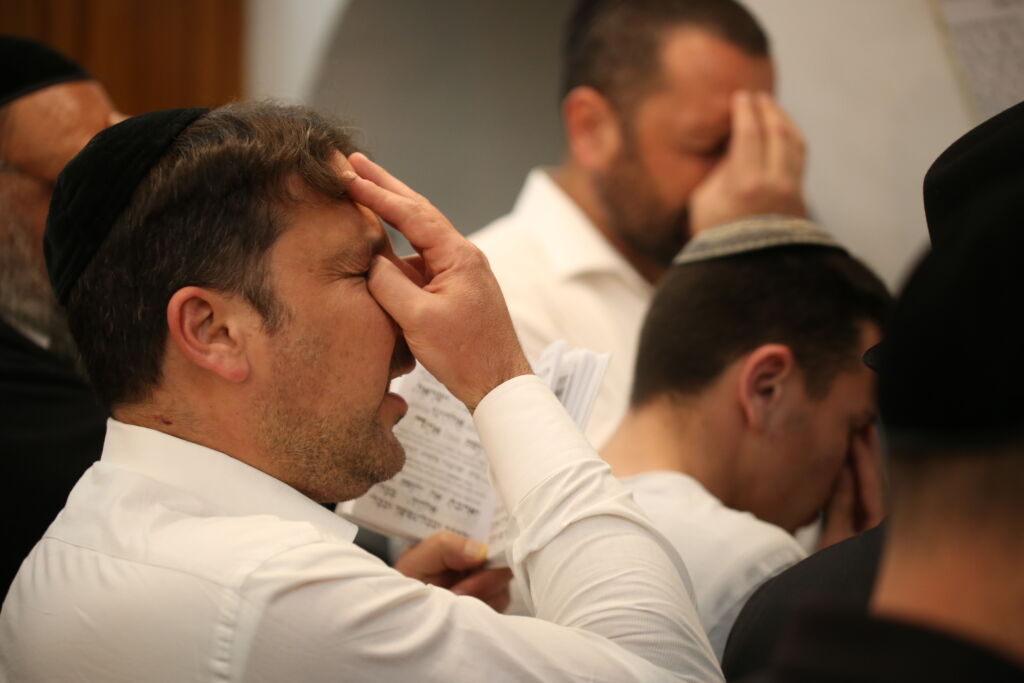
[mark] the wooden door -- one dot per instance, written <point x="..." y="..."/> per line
<point x="149" y="54"/>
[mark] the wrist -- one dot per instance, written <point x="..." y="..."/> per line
<point x="515" y="368"/>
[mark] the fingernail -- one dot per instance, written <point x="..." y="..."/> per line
<point x="348" y="176"/>
<point x="474" y="550"/>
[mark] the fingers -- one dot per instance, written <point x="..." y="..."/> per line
<point x="426" y="228"/>
<point x="784" y="149"/>
<point x="434" y="558"/>
<point x="866" y="457"/>
<point x="761" y="172"/>
<point x="446" y="300"/>
<point x="489" y="585"/>
<point x="393" y="290"/>
<point x="747" y="143"/>
<point x="410" y="267"/>
<point x="416" y="269"/>
<point x="374" y="172"/>
<point x="840" y="509"/>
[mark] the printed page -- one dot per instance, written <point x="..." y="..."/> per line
<point x="445" y="482"/>
<point x="986" y="38"/>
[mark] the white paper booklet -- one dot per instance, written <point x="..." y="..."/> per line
<point x="445" y="482"/>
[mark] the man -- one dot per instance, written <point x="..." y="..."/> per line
<point x="751" y="410"/>
<point x="984" y="161"/>
<point x="839" y="576"/>
<point x="51" y="425"/>
<point x="238" y="305"/>
<point x="670" y="129"/>
<point x="947" y="601"/>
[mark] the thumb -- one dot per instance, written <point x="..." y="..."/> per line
<point x="840" y="510"/>
<point x="459" y="552"/>
<point x="439" y="553"/>
<point x="393" y="290"/>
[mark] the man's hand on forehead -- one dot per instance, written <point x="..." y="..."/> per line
<point x="762" y="172"/>
<point x="445" y="299"/>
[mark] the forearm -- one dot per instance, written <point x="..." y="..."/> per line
<point x="582" y="552"/>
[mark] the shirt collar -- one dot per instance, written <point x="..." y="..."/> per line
<point x="230" y="484"/>
<point x="576" y="247"/>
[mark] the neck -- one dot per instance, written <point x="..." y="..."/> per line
<point x="199" y="417"/>
<point x="675" y="435"/>
<point x="578" y="183"/>
<point x="956" y="581"/>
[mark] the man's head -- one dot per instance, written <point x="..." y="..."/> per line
<point x="49" y="108"/>
<point x="647" y="92"/>
<point x="949" y="375"/>
<point x="229" y="291"/>
<point x="772" y="338"/>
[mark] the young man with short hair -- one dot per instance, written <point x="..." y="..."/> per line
<point x="751" y="409"/>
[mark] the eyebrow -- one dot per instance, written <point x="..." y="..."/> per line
<point x="357" y="256"/>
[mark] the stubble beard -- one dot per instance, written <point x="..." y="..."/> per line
<point x="329" y="457"/>
<point x="636" y="214"/>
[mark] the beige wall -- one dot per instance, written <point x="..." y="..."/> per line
<point x="459" y="97"/>
<point x="872" y="86"/>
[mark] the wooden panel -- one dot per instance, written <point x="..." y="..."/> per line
<point x="149" y="54"/>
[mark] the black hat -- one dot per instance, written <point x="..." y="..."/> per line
<point x="98" y="184"/>
<point x="979" y="179"/>
<point x="951" y="374"/>
<point x="29" y="66"/>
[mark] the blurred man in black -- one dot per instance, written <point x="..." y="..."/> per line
<point x="51" y="425"/>
<point x="947" y="604"/>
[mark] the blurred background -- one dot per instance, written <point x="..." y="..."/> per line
<point x="459" y="97"/>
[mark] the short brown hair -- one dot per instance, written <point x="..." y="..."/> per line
<point x="707" y="314"/>
<point x="205" y="215"/>
<point x="613" y="46"/>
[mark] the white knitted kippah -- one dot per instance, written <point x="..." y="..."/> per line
<point x="754" y="234"/>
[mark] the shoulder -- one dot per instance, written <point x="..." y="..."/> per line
<point x="130" y="519"/>
<point x="512" y="249"/>
<point x="717" y="543"/>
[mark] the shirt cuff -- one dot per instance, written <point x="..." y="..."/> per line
<point x="527" y="436"/>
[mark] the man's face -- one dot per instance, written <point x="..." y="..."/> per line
<point x="673" y="138"/>
<point x="814" y="439"/>
<point x="324" y="410"/>
<point x="40" y="133"/>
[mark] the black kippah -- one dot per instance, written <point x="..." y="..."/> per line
<point x="950" y="373"/>
<point x="97" y="185"/>
<point x="29" y="66"/>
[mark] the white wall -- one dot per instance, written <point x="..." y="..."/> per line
<point x="872" y="86"/>
<point x="284" y="44"/>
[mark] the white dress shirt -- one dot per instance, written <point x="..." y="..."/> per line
<point x="728" y="553"/>
<point x="174" y="562"/>
<point x="563" y="280"/>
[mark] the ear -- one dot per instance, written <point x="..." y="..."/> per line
<point x="592" y="128"/>
<point x="209" y="329"/>
<point x="763" y="383"/>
